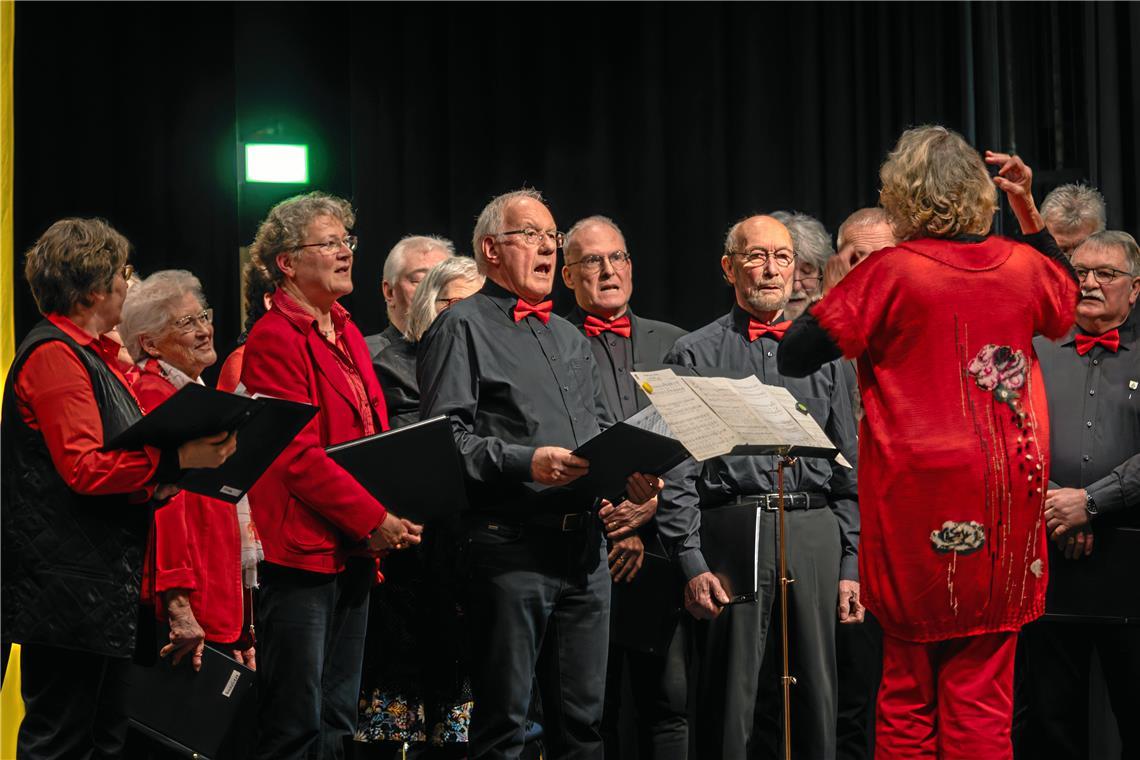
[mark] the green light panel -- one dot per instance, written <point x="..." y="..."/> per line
<point x="277" y="163"/>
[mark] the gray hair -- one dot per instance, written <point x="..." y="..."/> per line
<point x="1120" y="239"/>
<point x="810" y="239"/>
<point x="1073" y="206"/>
<point x="146" y="309"/>
<point x="490" y="221"/>
<point x="283" y="229"/>
<point x="412" y="244"/>
<point x="422" y="312"/>
<point x="861" y="219"/>
<point x="569" y="245"/>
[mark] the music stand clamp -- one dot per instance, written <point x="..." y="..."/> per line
<point x="786" y="680"/>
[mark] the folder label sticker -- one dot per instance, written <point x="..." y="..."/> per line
<point x="230" y="684"/>
<point x="231" y="491"/>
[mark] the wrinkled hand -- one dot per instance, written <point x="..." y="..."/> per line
<point x="209" y="451"/>
<point x="851" y="610"/>
<point x="1065" y="510"/>
<point x="626" y="558"/>
<point x="1015" y="179"/>
<point x="1076" y="544"/>
<point x="705" y="597"/>
<point x="556" y="466"/>
<point x="641" y="488"/>
<point x="247" y="657"/>
<point x="394" y="533"/>
<point x="836" y="268"/>
<point x="186" y="636"/>
<point x="625" y="518"/>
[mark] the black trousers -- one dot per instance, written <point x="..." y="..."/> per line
<point x="859" y="659"/>
<point x="1053" y="714"/>
<point x="74" y="704"/>
<point x="309" y="652"/>
<point x="538" y="603"/>
<point x="660" y="690"/>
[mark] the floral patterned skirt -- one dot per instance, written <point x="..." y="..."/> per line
<point x="390" y="717"/>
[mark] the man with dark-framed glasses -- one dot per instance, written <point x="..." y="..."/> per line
<point x="598" y="268"/>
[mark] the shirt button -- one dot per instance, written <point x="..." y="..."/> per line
<point x="1092" y="392"/>
<point x="1085" y="457"/>
<point x="1088" y="424"/>
<point x="567" y="389"/>
<point x="621" y="369"/>
<point x="554" y="358"/>
<point x="1096" y="361"/>
<point x="769" y="353"/>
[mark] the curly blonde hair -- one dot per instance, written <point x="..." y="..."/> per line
<point x="283" y="229"/>
<point x="935" y="185"/>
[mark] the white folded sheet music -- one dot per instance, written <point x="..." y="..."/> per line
<point x="714" y="416"/>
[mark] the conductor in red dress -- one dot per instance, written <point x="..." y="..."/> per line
<point x="953" y="445"/>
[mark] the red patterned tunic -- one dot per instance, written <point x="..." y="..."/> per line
<point x="954" y="443"/>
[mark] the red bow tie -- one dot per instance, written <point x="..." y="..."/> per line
<point x="523" y="310"/>
<point x="595" y="326"/>
<point x="1110" y="340"/>
<point x="756" y="329"/>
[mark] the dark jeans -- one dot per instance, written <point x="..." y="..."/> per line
<point x="310" y="645"/>
<point x="859" y="659"/>
<point x="1053" y="693"/>
<point x="538" y="604"/>
<point x="660" y="689"/>
<point x="74" y="704"/>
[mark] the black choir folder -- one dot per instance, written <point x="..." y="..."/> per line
<point x="413" y="470"/>
<point x="621" y="450"/>
<point x="208" y="715"/>
<point x="730" y="543"/>
<point x="645" y="611"/>
<point x="264" y="425"/>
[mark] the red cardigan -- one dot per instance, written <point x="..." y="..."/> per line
<point x="310" y="513"/>
<point x="194" y="544"/>
<point x="954" y="441"/>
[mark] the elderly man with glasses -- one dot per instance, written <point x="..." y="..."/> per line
<point x="521" y="388"/>
<point x="599" y="269"/>
<point x="822" y="521"/>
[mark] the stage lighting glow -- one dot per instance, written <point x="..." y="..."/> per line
<point x="277" y="163"/>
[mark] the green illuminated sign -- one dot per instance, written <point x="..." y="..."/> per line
<point x="277" y="163"/>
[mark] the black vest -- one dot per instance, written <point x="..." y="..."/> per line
<point x="71" y="564"/>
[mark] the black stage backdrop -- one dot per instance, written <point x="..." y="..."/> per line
<point x="674" y="119"/>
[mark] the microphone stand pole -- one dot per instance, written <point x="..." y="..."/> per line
<point x="787" y="680"/>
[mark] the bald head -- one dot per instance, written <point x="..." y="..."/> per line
<point x="759" y="263"/>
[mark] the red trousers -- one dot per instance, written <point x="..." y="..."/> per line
<point x="946" y="699"/>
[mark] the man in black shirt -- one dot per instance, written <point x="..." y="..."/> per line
<point x="520" y="386"/>
<point x="1091" y="509"/>
<point x="822" y="535"/>
<point x="599" y="269"/>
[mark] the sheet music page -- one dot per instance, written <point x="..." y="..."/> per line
<point x="650" y="419"/>
<point x="807" y="424"/>
<point x="692" y="422"/>
<point x="751" y="420"/>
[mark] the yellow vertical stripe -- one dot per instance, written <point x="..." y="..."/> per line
<point x="11" y="708"/>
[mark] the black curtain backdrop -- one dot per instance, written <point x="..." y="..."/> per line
<point x="674" y="119"/>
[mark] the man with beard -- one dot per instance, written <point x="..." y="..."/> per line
<point x="822" y="515"/>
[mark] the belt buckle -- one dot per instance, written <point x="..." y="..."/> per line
<point x="571" y="522"/>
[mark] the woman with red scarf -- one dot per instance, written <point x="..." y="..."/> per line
<point x="953" y="445"/>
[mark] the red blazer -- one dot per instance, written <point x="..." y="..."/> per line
<point x="310" y="513"/>
<point x="194" y="544"/>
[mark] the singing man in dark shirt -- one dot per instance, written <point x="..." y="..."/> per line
<point x="520" y="386"/>
<point x="822" y="519"/>
<point x="599" y="270"/>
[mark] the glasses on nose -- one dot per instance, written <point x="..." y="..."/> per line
<point x="1104" y="275"/>
<point x="333" y="247"/>
<point x="536" y="237"/>
<point x="758" y="257"/>
<point x="592" y="264"/>
<point x="191" y="322"/>
<point x="808" y="278"/>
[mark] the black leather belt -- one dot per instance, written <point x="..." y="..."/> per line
<point x="770" y="502"/>
<point x="569" y="522"/>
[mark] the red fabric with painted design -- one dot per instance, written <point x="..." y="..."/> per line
<point x="954" y="442"/>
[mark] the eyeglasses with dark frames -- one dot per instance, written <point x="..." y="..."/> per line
<point x="592" y="263"/>
<point x="758" y="257"/>
<point x="1103" y="275"/>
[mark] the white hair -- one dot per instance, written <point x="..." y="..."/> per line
<point x="490" y="221"/>
<point x="422" y="311"/>
<point x="1071" y="207"/>
<point x="810" y="239"/>
<point x="1116" y="238"/>
<point x="412" y="244"/>
<point x="146" y="309"/>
